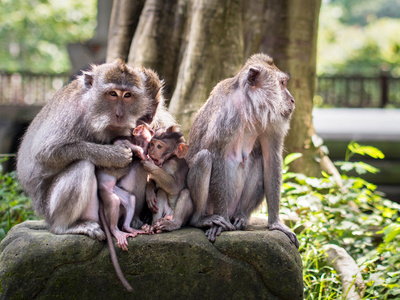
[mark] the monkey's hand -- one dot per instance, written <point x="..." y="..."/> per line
<point x="149" y="166"/>
<point x="148" y="229"/>
<point x="286" y="230"/>
<point x="151" y="200"/>
<point x="122" y="156"/>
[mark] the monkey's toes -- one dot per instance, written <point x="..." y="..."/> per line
<point x="285" y="230"/>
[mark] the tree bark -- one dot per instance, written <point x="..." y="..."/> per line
<point x="124" y="19"/>
<point x="194" y="44"/>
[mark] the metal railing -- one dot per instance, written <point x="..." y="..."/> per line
<point x="23" y="89"/>
<point x="356" y="91"/>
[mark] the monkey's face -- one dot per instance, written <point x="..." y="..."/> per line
<point x="117" y="99"/>
<point x="266" y="86"/>
<point x="288" y="100"/>
<point x="159" y="151"/>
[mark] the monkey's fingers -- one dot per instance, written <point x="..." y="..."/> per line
<point x="240" y="223"/>
<point x="123" y="244"/>
<point x="225" y="225"/>
<point x="152" y="206"/>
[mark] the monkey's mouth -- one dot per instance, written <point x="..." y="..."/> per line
<point x="156" y="162"/>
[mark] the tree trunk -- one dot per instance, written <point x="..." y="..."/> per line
<point x="194" y="44"/>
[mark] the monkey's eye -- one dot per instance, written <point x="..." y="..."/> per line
<point x="159" y="147"/>
<point x="113" y="93"/>
<point x="127" y="95"/>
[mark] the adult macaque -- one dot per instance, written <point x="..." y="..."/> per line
<point x="71" y="136"/>
<point x="235" y="149"/>
<point x="116" y="201"/>
<point x="166" y="194"/>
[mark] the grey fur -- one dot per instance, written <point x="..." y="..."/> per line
<point x="235" y="149"/>
<point x="71" y="136"/>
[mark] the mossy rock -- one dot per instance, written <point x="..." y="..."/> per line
<point x="253" y="264"/>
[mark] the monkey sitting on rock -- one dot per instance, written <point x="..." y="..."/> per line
<point x="166" y="193"/>
<point x="72" y="135"/>
<point x="235" y="149"/>
<point x="116" y="201"/>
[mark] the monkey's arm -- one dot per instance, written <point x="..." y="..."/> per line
<point x="151" y="198"/>
<point x="272" y="172"/>
<point x="136" y="150"/>
<point x="61" y="155"/>
<point x="166" y="177"/>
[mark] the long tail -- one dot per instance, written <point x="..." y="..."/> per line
<point x="113" y="254"/>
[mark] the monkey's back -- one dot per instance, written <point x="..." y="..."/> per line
<point x="50" y="126"/>
<point x="216" y="120"/>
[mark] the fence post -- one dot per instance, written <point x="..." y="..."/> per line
<point x="384" y="88"/>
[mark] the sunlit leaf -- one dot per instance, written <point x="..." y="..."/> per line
<point x="292" y="157"/>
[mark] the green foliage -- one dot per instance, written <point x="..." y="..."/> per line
<point x="34" y="34"/>
<point x="355" y="217"/>
<point x="359" y="37"/>
<point x="15" y="206"/>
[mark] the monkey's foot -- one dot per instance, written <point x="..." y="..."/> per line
<point x="167" y="225"/>
<point x="122" y="238"/>
<point x="213" y="232"/>
<point x="89" y="228"/>
<point x="239" y="222"/>
<point x="133" y="230"/>
<point x="217" y="220"/>
<point x="286" y="230"/>
<point x="169" y="217"/>
<point x="148" y="229"/>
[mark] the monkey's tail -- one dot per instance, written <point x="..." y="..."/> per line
<point x="113" y="254"/>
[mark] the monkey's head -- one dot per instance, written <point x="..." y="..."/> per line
<point x="166" y="143"/>
<point x="143" y="135"/>
<point x="115" y="97"/>
<point x="266" y="87"/>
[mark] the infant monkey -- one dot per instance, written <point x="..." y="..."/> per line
<point x="118" y="202"/>
<point x="166" y="194"/>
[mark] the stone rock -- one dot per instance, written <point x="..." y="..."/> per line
<point x="252" y="264"/>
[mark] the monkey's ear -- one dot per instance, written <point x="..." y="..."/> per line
<point x="138" y="130"/>
<point x="252" y="76"/>
<point x="181" y="150"/>
<point x="88" y="79"/>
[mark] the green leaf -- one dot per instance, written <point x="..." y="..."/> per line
<point x="292" y="157"/>
<point x="391" y="232"/>
<point x="366" y="150"/>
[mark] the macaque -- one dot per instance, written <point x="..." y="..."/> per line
<point x="235" y="149"/>
<point x="116" y="201"/>
<point x="166" y="194"/>
<point x="72" y="135"/>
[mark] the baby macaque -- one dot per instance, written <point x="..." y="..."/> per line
<point x="116" y="201"/>
<point x="166" y="194"/>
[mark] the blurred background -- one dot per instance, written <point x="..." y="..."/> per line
<point x="44" y="43"/>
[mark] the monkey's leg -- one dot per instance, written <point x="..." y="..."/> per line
<point x="162" y="203"/>
<point x="73" y="203"/>
<point x="252" y="195"/>
<point x="183" y="209"/>
<point x="272" y="177"/>
<point x="198" y="180"/>
<point x="128" y="201"/>
<point x="113" y="215"/>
